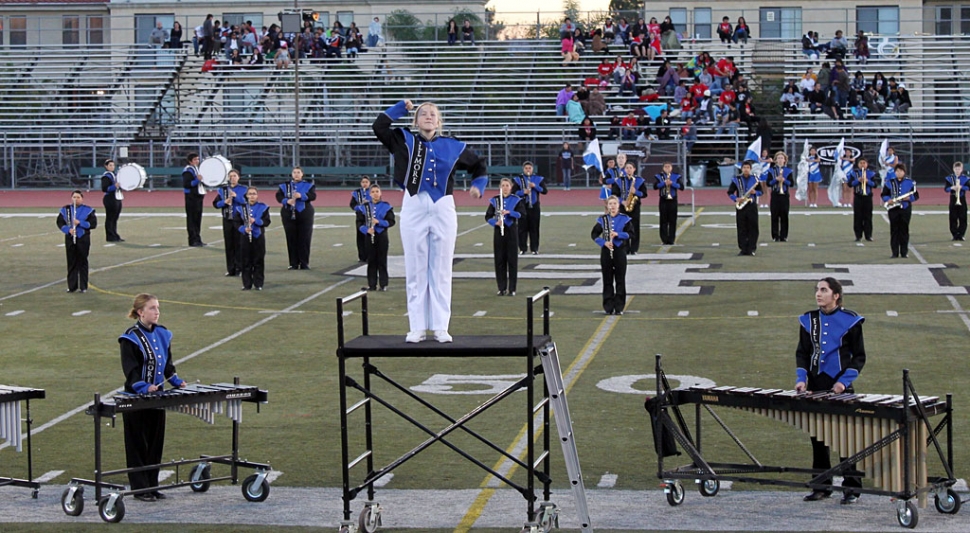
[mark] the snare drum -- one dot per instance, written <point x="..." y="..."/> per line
<point x="131" y="176"/>
<point x="215" y="171"/>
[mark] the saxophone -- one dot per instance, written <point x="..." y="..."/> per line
<point x="745" y="199"/>
<point x="631" y="198"/>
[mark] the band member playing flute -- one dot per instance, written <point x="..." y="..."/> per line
<point x="228" y="197"/>
<point x="667" y="183"/>
<point x="359" y="196"/>
<point x="194" y="194"/>
<point x="76" y="221"/>
<point x="111" y="202"/>
<point x="612" y="234"/>
<point x="297" y="214"/>
<point x="251" y="220"/>
<point x="505" y="212"/>
<point x="528" y="187"/>
<point x="374" y="218"/>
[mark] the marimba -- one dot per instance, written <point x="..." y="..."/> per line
<point x="883" y="437"/>
<point x="11" y="428"/>
<point x="200" y="401"/>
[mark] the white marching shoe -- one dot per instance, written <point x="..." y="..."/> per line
<point x="414" y="336"/>
<point x="441" y="335"/>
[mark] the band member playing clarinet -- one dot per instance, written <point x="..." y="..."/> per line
<point x="358" y="197"/>
<point x="631" y="189"/>
<point x="956" y="186"/>
<point x="863" y="181"/>
<point x="898" y="195"/>
<point x="297" y="215"/>
<point x="76" y="221"/>
<point x="505" y="213"/>
<point x="228" y="197"/>
<point x="146" y="359"/>
<point x="112" y="202"/>
<point x="744" y="192"/>
<point x="829" y="357"/>
<point x="374" y="217"/>
<point x="528" y="187"/>
<point x="251" y="220"/>
<point x="667" y="184"/>
<point x="778" y="177"/>
<point x="424" y="165"/>
<point x="612" y="233"/>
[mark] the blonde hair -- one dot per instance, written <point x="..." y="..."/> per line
<point x="778" y="153"/>
<point x="140" y="302"/>
<point x="417" y="110"/>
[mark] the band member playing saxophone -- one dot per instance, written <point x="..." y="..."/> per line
<point x="863" y="181"/>
<point x="359" y="196"/>
<point x="744" y="191"/>
<point x="505" y="212"/>
<point x="778" y="177"/>
<point x="527" y="187"/>
<point x="251" y="220"/>
<point x="228" y="197"/>
<point x="374" y="218"/>
<point x="76" y="221"/>
<point x="631" y="189"/>
<point x="899" y="195"/>
<point x="191" y="181"/>
<point x="612" y="234"/>
<point x="297" y="214"/>
<point x="667" y="184"/>
<point x="112" y="204"/>
<point x="956" y="186"/>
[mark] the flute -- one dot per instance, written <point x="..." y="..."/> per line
<point x="73" y="214"/>
<point x="369" y="214"/>
<point x="607" y="231"/>
<point x="249" y="225"/>
<point x="501" y="214"/>
<point x="289" y="196"/>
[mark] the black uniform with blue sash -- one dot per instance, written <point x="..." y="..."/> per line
<point x="506" y="247"/>
<point x="900" y="215"/>
<point x="233" y="258"/>
<point x="252" y="252"/>
<point x="193" y="204"/>
<point x="957" y="185"/>
<point x="668" y="206"/>
<point x="746" y="217"/>
<point x="77" y="246"/>
<point x="779" y="179"/>
<point x="112" y="206"/>
<point x="297" y="220"/>
<point x="529" y="223"/>
<point x="375" y="248"/>
<point x="862" y="202"/>
<point x="621" y="189"/>
<point x="358" y="197"/>
<point x="613" y="265"/>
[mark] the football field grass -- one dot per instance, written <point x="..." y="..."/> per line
<point x="713" y="315"/>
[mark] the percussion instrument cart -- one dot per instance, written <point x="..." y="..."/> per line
<point x="536" y="464"/>
<point x="110" y="496"/>
<point x="670" y="426"/>
<point x="10" y="398"/>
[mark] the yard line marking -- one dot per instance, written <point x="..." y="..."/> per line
<point x="28" y="236"/>
<point x="479" y="244"/>
<point x="752" y="313"/>
<point x="15" y="313"/>
<point x="572" y="245"/>
<point x="715" y="244"/>
<point x="109" y="245"/>
<point x="155" y="245"/>
<point x="505" y="467"/>
<point x="480" y="313"/>
<point x="212" y="313"/>
<point x="859" y="244"/>
<point x="338" y="245"/>
<point x="81" y="313"/>
<point x="683" y="313"/>
<point x="384" y="480"/>
<point x="811" y="245"/>
<point x="60" y="245"/>
<point x="165" y="474"/>
<point x="18" y="245"/>
<point x="49" y="476"/>
<point x="273" y="475"/>
<point x="891" y="313"/>
<point x="348" y="313"/>
<point x="608" y="481"/>
<point x="193" y="355"/>
<point x="473" y="229"/>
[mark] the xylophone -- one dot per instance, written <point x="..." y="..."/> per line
<point x="11" y="428"/>
<point x="200" y="401"/>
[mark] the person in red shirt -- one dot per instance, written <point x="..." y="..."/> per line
<point x="628" y="127"/>
<point x="697" y="91"/>
<point x="605" y="69"/>
<point x="728" y="96"/>
<point x="653" y="49"/>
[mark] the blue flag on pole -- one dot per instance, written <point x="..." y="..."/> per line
<point x="592" y="156"/>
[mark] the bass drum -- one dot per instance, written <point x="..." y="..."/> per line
<point x="215" y="171"/>
<point x="131" y="176"/>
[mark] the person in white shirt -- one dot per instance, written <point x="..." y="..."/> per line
<point x="374" y="33"/>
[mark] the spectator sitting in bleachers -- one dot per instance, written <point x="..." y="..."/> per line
<point x="654" y="49"/>
<point x="725" y="31"/>
<point x="743" y="96"/>
<point x="862" y="47"/>
<point x="374" y="33"/>
<point x="816" y="99"/>
<point x="730" y="120"/>
<point x="841" y="83"/>
<point x="858" y="85"/>
<point x="599" y="44"/>
<point x="256" y="58"/>
<point x="628" y="84"/>
<point x="697" y="91"/>
<point x="568" y="48"/>
<point x="638" y="46"/>
<point x="248" y="41"/>
<point x="808" y="82"/>
<point x="662" y="128"/>
<point x="667" y="78"/>
<point x="235" y="59"/>
<point x="713" y="85"/>
<point x="831" y="106"/>
<point x="629" y="127"/>
<point x="653" y="26"/>
<point x="596" y="104"/>
<point x="688" y="133"/>
<point x="334" y="43"/>
<point x="791" y="99"/>
<point x="605" y="70"/>
<point x="355" y="41"/>
<point x="609" y="30"/>
<point x="899" y="101"/>
<point x="565" y="94"/>
<point x="687" y="107"/>
<point x="872" y="101"/>
<point x="881" y="86"/>
<point x="728" y="95"/>
<point x="809" y="46"/>
<point x="623" y="33"/>
<point x="680" y="91"/>
<point x="582" y="92"/>
<point x="615" y="123"/>
<point x="574" y="110"/>
<point x="467" y="32"/>
<point x="668" y="35"/>
<point x="579" y="41"/>
<point x="282" y="56"/>
<point x="587" y="130"/>
<point x="825" y="76"/>
<point x="567" y="28"/>
<point x="838" y="47"/>
<point x="724" y="71"/>
<point x="750" y="117"/>
<point x="705" y="109"/>
<point x="741" y="32"/>
<point x="640" y="30"/>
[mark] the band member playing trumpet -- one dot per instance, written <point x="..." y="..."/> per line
<point x="505" y="212"/>
<point x="528" y="187"/>
<point x="863" y="181"/>
<point x="228" y="197"/>
<point x="744" y="191"/>
<point x="424" y="165"/>
<point x="359" y="196"/>
<point x="631" y="190"/>
<point x="111" y="202"/>
<point x="251" y="220"/>
<point x="76" y="221"/>
<point x="956" y="186"/>
<point x="898" y="196"/>
<point x="778" y="177"/>
<point x="668" y="183"/>
<point x="297" y="214"/>
<point x="830" y="355"/>
<point x="191" y="186"/>
<point x="612" y="233"/>
<point x="374" y="217"/>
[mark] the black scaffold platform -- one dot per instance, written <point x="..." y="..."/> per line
<point x="528" y="348"/>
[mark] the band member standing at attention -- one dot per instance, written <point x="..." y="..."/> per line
<point x="778" y="177"/>
<point x="830" y="355"/>
<point x="251" y="220"/>
<point x="374" y="217"/>
<point x="630" y="189"/>
<point x="76" y="221"/>
<point x="898" y="196"/>
<point x="111" y="202"/>
<point x="146" y="359"/>
<point x="228" y="197"/>
<point x="956" y="186"/>
<point x="863" y="181"/>
<point x="504" y="213"/>
<point x="527" y="188"/>
<point x="194" y="194"/>
<point x="297" y="214"/>
<point x="668" y="183"/>
<point x="358" y="197"/>
<point x="424" y="165"/>
<point x="744" y="192"/>
<point x="612" y="233"/>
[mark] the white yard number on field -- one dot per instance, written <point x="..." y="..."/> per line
<point x="467" y="384"/>
<point x="625" y="384"/>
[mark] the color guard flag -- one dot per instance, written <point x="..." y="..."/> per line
<point x="592" y="156"/>
<point x="754" y="155"/>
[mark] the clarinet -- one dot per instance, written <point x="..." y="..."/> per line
<point x="369" y="214"/>
<point x="226" y="209"/>
<point x="249" y="226"/>
<point x="72" y="212"/>
<point x="528" y="190"/>
<point x="289" y="196"/>
<point x="501" y="214"/>
<point x="607" y="229"/>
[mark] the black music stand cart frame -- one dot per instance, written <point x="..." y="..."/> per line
<point x="26" y="395"/>
<point x="110" y="496"/>
<point x="669" y="427"/>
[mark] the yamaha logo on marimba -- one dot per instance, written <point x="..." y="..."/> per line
<point x="238" y="395"/>
<point x="709" y="398"/>
<point x="865" y="411"/>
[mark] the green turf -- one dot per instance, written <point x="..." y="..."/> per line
<point x="292" y="355"/>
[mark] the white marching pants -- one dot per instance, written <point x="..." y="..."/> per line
<point x="428" y="233"/>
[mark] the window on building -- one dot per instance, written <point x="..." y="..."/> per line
<point x="883" y="20"/>
<point x="944" y="20"/>
<point x="71" y="30"/>
<point x="345" y="18"/>
<point x="18" y="31"/>
<point x="965" y="20"/>
<point x="702" y="22"/>
<point x="780" y="23"/>
<point x="324" y="19"/>
<point x="95" y="30"/>
<point x="237" y="19"/>
<point x="678" y="15"/>
<point x="144" y="24"/>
